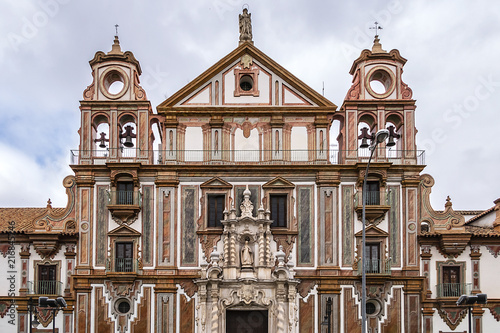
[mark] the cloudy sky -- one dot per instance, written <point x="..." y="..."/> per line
<point x="452" y="49"/>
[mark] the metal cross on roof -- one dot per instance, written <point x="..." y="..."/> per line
<point x="116" y="29"/>
<point x="377" y="28"/>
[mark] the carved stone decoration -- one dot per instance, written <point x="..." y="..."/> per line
<point x="89" y="92"/>
<point x="116" y="291"/>
<point x="248" y="273"/>
<point x="246" y="206"/>
<point x="140" y="94"/>
<point x="406" y="91"/>
<point x="245" y="26"/>
<point x="354" y="91"/>
<point x="47" y="249"/>
<point x="452" y="316"/>
<point x="494" y="250"/>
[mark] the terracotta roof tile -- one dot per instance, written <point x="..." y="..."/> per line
<point x="22" y="217"/>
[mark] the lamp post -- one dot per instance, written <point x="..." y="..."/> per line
<point x="470" y="301"/>
<point x="379" y="137"/>
<point x="32" y="310"/>
<point x="328" y="315"/>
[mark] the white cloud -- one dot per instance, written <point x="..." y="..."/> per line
<point x="450" y="46"/>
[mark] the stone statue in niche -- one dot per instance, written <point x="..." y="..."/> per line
<point x="245" y="26"/>
<point x="246" y="256"/>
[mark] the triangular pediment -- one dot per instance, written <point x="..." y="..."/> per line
<point x="124" y="230"/>
<point x="278" y="182"/>
<point x="216" y="182"/>
<point x="372" y="231"/>
<point x="246" y="77"/>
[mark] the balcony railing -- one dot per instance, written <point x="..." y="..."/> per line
<point x="372" y="198"/>
<point x="45" y="287"/>
<point x="234" y="157"/>
<point x="125" y="198"/>
<point x="453" y="289"/>
<point x="123" y="265"/>
<point x="376" y="266"/>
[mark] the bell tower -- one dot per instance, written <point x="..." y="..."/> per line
<point x="115" y="111"/>
<point x="378" y="99"/>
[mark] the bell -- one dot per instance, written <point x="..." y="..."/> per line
<point x="102" y="140"/>
<point x="364" y="143"/>
<point x="364" y="136"/>
<point x="128" y="135"/>
<point x="390" y="142"/>
<point x="392" y="135"/>
<point x="128" y="142"/>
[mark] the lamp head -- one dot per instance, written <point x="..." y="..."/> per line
<point x="42" y="301"/>
<point x="482" y="298"/>
<point x="35" y="322"/>
<point x="381" y="136"/>
<point x="61" y="302"/>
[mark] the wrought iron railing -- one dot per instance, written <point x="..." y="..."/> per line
<point x="125" y="198"/>
<point x="122" y="265"/>
<point x="375" y="266"/>
<point x="234" y="157"/>
<point x="45" y="287"/>
<point x="453" y="289"/>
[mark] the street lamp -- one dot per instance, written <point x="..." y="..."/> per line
<point x="328" y="315"/>
<point x="470" y="301"/>
<point x="54" y="305"/>
<point x="32" y="310"/>
<point x="379" y="137"/>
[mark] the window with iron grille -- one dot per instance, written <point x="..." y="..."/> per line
<point x="278" y="204"/>
<point x="215" y="210"/>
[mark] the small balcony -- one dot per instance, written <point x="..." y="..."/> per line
<point x="45" y="288"/>
<point x="454" y="290"/>
<point x="376" y="205"/>
<point x="122" y="265"/>
<point x="376" y="267"/>
<point x="124" y="205"/>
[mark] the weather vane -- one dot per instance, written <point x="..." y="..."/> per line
<point x="116" y="29"/>
<point x="377" y="28"/>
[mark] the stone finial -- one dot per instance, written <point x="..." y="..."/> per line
<point x="280" y="256"/>
<point x="215" y="257"/>
<point x="49" y="204"/>
<point x="115" y="48"/>
<point x="245" y="27"/>
<point x="448" y="202"/>
<point x="246" y="206"/>
<point x="377" y="47"/>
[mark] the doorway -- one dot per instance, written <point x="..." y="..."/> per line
<point x="244" y="321"/>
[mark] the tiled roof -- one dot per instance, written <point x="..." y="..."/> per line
<point x="482" y="231"/>
<point x="22" y="217"/>
<point x="478" y="216"/>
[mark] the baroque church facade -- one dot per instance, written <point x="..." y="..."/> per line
<point x="228" y="210"/>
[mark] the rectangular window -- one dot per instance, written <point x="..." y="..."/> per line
<point x="278" y="203"/>
<point x="124" y="259"/>
<point x="215" y="210"/>
<point x="372" y="193"/>
<point x="372" y="258"/>
<point x="46" y="284"/>
<point x="125" y="193"/>
<point x="451" y="286"/>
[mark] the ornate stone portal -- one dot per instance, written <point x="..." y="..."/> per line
<point x="246" y="273"/>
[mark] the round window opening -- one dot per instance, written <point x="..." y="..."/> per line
<point x="246" y="83"/>
<point x="114" y="83"/>
<point x="372" y="307"/>
<point x="380" y="82"/>
<point x="123" y="306"/>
